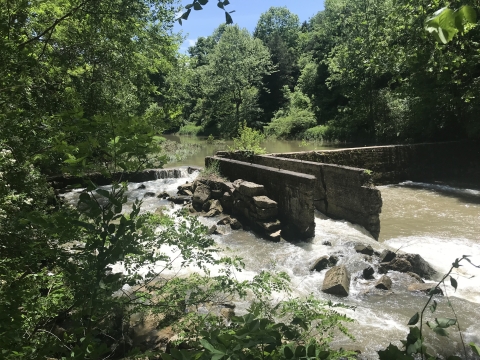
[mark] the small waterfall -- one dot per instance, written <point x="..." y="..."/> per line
<point x="171" y="173"/>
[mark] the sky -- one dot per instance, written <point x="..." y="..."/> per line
<point x="246" y="15"/>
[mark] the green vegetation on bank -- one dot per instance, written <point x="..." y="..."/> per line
<point x="369" y="70"/>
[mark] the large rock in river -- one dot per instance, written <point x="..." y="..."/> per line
<point x="384" y="283"/>
<point x="419" y="265"/>
<point x="201" y="195"/>
<point x="337" y="281"/>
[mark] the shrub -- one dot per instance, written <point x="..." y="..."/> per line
<point x="291" y="125"/>
<point x="248" y="140"/>
<point x="317" y="133"/>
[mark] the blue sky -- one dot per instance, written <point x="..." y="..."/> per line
<point x="247" y="13"/>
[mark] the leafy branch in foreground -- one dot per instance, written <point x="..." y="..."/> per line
<point x="446" y="23"/>
<point x="414" y="344"/>
<point x="197" y="5"/>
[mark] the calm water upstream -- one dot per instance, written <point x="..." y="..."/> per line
<point x="438" y="222"/>
<point x="271" y="146"/>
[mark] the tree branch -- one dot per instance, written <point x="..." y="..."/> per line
<point x="53" y="26"/>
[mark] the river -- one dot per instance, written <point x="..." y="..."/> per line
<point x="438" y="222"/>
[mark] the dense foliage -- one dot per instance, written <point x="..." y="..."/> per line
<point x="89" y="85"/>
<point x="371" y="70"/>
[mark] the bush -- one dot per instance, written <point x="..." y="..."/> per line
<point x="317" y="133"/>
<point x="190" y="129"/>
<point x="291" y="125"/>
<point x="248" y="140"/>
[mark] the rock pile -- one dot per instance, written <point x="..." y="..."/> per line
<point x="251" y="203"/>
<point x="246" y="200"/>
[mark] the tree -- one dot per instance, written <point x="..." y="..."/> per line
<point x="231" y="79"/>
<point x="279" y="30"/>
<point x="278" y="21"/>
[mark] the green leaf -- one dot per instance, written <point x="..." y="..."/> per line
<point x="300" y="352"/>
<point x="475" y="348"/>
<point x="414" y="319"/>
<point x="228" y="18"/>
<point x="287" y="351"/>
<point x="393" y="353"/>
<point x="103" y="193"/>
<point x="197" y="6"/>
<point x="324" y="355"/>
<point x="415" y="347"/>
<point x="468" y="14"/>
<point x="433" y="307"/>
<point x="454" y="283"/>
<point x="311" y="350"/>
<point x="220" y="5"/>
<point x="203" y="2"/>
<point x="445" y="323"/>
<point x="186" y="14"/>
<point x="438" y="330"/>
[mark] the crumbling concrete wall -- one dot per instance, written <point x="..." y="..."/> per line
<point x="340" y="192"/>
<point x="294" y="193"/>
<point x="455" y="163"/>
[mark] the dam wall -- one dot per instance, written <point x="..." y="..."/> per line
<point x="340" y="192"/>
<point x="453" y="163"/>
<point x="293" y="191"/>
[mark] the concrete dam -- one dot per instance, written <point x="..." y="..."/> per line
<point x="341" y="183"/>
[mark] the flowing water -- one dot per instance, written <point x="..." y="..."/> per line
<point x="438" y="222"/>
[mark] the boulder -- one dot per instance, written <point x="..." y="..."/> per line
<point x="337" y="281"/>
<point x="163" y="195"/>
<point x="141" y="187"/>
<point x="201" y="196"/>
<point x="227" y="201"/>
<point x="250" y="189"/>
<point x="367" y="273"/>
<point x="416" y="277"/>
<point x="320" y="264"/>
<point x="270" y="226"/>
<point x="225" y="221"/>
<point x="419" y="266"/>
<point x="186" y="189"/>
<point x="192" y="169"/>
<point x="217" y="194"/>
<point x="424" y="287"/>
<point x="180" y="199"/>
<point x="215" y="205"/>
<point x="333" y="260"/>
<point x="265" y="214"/>
<point x="324" y="262"/>
<point x="149" y="195"/>
<point x="400" y="265"/>
<point x="275" y="237"/>
<point x="190" y="208"/>
<point x="363" y="249"/>
<point x="235" y="224"/>
<point x="241" y="207"/>
<point x="264" y="202"/>
<point x="384" y="283"/>
<point x="387" y="256"/>
<point x="327" y="243"/>
<point x="206" y="206"/>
